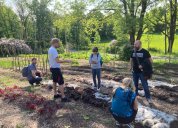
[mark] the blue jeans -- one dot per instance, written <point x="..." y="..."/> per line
<point x="96" y="73"/>
<point x="136" y="77"/>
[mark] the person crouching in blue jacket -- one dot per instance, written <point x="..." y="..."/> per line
<point x="124" y="104"/>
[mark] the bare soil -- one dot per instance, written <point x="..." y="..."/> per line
<point x="77" y="114"/>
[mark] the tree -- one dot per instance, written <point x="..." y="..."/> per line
<point x="134" y="11"/>
<point x="165" y="21"/>
<point x="63" y="25"/>
<point x="91" y="27"/>
<point x="24" y="15"/>
<point x="119" y="24"/>
<point x="173" y="18"/>
<point x="78" y="36"/>
<point x="9" y="23"/>
<point x="154" y="20"/>
<point x="43" y="19"/>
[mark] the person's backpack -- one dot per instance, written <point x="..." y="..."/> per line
<point x="122" y="102"/>
<point x="147" y="69"/>
<point x="25" y="71"/>
<point x="101" y="60"/>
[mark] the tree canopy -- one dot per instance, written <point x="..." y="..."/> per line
<point x="81" y="22"/>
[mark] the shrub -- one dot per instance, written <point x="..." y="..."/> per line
<point x="97" y="37"/>
<point x="13" y="46"/>
<point x="61" y="48"/>
<point x="116" y="45"/>
<point x="84" y="42"/>
<point x="125" y="53"/>
<point x="112" y="48"/>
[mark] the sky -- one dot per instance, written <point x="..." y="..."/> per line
<point x="9" y="3"/>
<point x="51" y="7"/>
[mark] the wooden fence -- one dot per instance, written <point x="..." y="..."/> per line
<point x="17" y="63"/>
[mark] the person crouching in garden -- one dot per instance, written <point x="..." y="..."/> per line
<point x="95" y="61"/>
<point x="34" y="75"/>
<point x="124" y="104"/>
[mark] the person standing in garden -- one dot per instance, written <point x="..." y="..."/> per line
<point x="55" y="69"/>
<point x="95" y="61"/>
<point x="141" y="65"/>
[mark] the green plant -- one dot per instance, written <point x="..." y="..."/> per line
<point x="97" y="37"/>
<point x="84" y="42"/>
<point x="61" y="48"/>
<point x="116" y="45"/>
<point x="75" y="63"/>
<point x="124" y="54"/>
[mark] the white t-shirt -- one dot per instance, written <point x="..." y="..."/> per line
<point x="97" y="59"/>
<point x="52" y="55"/>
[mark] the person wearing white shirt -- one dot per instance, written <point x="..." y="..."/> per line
<point x="55" y="69"/>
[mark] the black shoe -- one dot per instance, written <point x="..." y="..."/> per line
<point x="57" y="96"/>
<point x="50" y="87"/>
<point x="65" y="99"/>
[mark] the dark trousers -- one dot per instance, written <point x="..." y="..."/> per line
<point x="96" y="73"/>
<point x="136" y="77"/>
<point x="36" y="80"/>
<point x="124" y="120"/>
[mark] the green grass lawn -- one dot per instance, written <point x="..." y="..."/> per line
<point x="157" y="42"/>
<point x="5" y="63"/>
<point x="153" y="41"/>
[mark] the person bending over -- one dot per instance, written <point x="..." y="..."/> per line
<point x="34" y="76"/>
<point x="55" y="69"/>
<point x="124" y="104"/>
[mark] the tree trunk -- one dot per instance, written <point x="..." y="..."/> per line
<point x="141" y="19"/>
<point x="173" y="14"/>
<point x="165" y="28"/>
<point x="133" y="23"/>
<point x="132" y="37"/>
<point x="131" y="12"/>
<point x="170" y="46"/>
